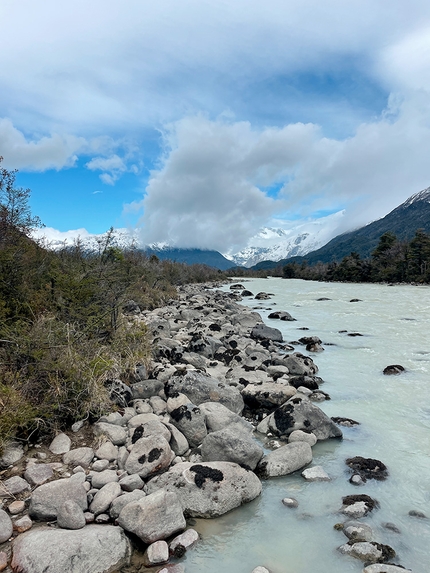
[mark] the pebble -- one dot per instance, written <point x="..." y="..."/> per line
<point x="290" y="502"/>
<point x="23" y="524"/>
<point x="16" y="507"/>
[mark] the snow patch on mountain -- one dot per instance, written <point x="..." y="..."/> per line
<point x="276" y="243"/>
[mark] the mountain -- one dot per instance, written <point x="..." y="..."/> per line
<point x="280" y="243"/>
<point x="190" y="256"/>
<point x="403" y="221"/>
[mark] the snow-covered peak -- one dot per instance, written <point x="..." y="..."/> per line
<point x="423" y="195"/>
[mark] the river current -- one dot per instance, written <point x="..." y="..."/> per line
<point x="394" y="416"/>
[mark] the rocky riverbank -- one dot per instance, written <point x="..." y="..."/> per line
<point x="187" y="439"/>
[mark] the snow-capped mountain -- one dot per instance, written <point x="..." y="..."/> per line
<point x="275" y="244"/>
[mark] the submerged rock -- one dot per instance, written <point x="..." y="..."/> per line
<point x="393" y="369"/>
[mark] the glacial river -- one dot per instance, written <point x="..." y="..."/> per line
<point x="394" y="416"/>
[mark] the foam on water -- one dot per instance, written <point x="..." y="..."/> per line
<point x="394" y="416"/>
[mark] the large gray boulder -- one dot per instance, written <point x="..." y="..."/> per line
<point x="218" y="417"/>
<point x="201" y="388"/>
<point x="300" y="365"/>
<point x="95" y="548"/>
<point x="190" y="422"/>
<point x="267" y="395"/>
<point x="263" y="332"/>
<point x="299" y="413"/>
<point x="285" y="460"/>
<point x="232" y="444"/>
<point x="104" y="497"/>
<point x="49" y="497"/>
<point x="156" y="516"/>
<point x="149" y="456"/>
<point x="208" y="489"/>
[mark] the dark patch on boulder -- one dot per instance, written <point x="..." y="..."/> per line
<point x="179" y="413"/>
<point x="137" y="434"/>
<point x="203" y="473"/>
<point x="283" y="418"/>
<point x="351" y="499"/>
<point x="368" y="468"/>
<point x="154" y="454"/>
<point x="179" y="551"/>
<point x="214" y="327"/>
<point x="142" y="459"/>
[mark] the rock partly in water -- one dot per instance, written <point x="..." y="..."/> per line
<point x="368" y="468"/>
<point x="285" y="460"/>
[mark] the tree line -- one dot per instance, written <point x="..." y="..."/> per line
<point x="393" y="260"/>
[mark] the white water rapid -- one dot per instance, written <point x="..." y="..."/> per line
<point x="394" y="416"/>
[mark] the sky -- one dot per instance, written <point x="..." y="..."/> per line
<point x="197" y="122"/>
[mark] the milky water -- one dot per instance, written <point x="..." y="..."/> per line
<point x="394" y="416"/>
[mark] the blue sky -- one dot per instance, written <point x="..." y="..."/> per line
<point x="198" y="122"/>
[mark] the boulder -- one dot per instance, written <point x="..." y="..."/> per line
<point x="156" y="554"/>
<point x="181" y="543"/>
<point x="149" y="456"/>
<point x="14" y="486"/>
<point x="146" y="389"/>
<point x="285" y="460"/>
<point x="79" y="457"/>
<point x="104" y="497"/>
<point x="201" y="388"/>
<point x="6" y="527"/>
<point x="116" y="434"/>
<point x="12" y="453"/>
<point x="37" y="474"/>
<point x="154" y="517"/>
<point x="316" y="473"/>
<point x="263" y="332"/>
<point x="357" y="531"/>
<point x="300" y="365"/>
<point x="107" y="451"/>
<point x="299" y="413"/>
<point x="121" y="501"/>
<point x="232" y="444"/>
<point x="100" y="479"/>
<point x="178" y="442"/>
<point x="208" y="489"/>
<point x="281" y="315"/>
<point x="218" y="417"/>
<point x="60" y="444"/>
<point x="368" y="468"/>
<point x="393" y="369"/>
<point x="95" y="548"/>
<point x="190" y="422"/>
<point x="70" y="516"/>
<point x="49" y="497"/>
<point x="267" y="395"/>
<point x="301" y="436"/>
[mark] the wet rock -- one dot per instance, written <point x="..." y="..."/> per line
<point x="391" y="527"/>
<point x="79" y="457"/>
<point x="208" y="489"/>
<point x="232" y="444"/>
<point x="316" y="473"/>
<point x="285" y="460"/>
<point x="299" y="413"/>
<point x="181" y="543"/>
<point x="60" y="444"/>
<point x="156" y="554"/>
<point x="96" y="548"/>
<point x="246" y="293"/>
<point x="368" y="468"/>
<point x="262" y="296"/>
<point x="154" y="517"/>
<point x="202" y="388"/>
<point x="290" y="502"/>
<point x="371" y="552"/>
<point x="281" y="315"/>
<point x="70" y="516"/>
<point x="49" y="497"/>
<point x="393" y="369"/>
<point x="263" y="332"/>
<point x="419" y="514"/>
<point x="6" y="527"/>
<point x="346" y="422"/>
<point x="356" y="531"/>
<point x="190" y="421"/>
<point x="149" y="456"/>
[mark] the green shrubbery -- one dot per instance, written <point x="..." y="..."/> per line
<point x="62" y="330"/>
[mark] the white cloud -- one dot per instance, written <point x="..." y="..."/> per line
<point x="38" y="154"/>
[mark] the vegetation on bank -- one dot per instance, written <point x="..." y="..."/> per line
<point x="63" y="334"/>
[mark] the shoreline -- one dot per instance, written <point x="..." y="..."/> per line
<point x="247" y="369"/>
